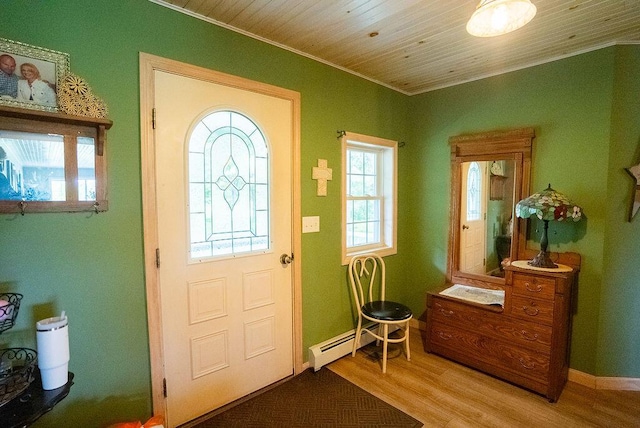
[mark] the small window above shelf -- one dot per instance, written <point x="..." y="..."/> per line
<point x="52" y="162"/>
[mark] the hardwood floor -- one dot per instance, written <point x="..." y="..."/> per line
<point x="441" y="393"/>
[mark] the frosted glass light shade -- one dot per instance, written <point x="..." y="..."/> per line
<point x="497" y="17"/>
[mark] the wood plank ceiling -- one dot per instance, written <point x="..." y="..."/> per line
<point x="415" y="46"/>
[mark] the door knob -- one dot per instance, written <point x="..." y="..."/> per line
<point x="286" y="259"/>
<point x="464" y="226"/>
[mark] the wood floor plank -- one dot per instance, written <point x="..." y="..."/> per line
<point x="441" y="393"/>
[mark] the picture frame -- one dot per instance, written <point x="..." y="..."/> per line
<point x="31" y="92"/>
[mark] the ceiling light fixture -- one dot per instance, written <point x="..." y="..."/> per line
<point x="497" y="17"/>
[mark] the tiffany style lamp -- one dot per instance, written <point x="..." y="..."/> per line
<point x="547" y="205"/>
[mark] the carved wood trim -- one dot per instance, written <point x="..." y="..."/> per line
<point x="514" y="144"/>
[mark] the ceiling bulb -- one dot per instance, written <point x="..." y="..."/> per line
<point x="497" y="17"/>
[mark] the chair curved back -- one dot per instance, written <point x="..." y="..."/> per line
<point x="365" y="282"/>
<point x="367" y="275"/>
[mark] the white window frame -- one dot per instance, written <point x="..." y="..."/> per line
<point x="387" y="174"/>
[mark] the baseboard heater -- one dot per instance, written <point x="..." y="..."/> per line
<point x="339" y="346"/>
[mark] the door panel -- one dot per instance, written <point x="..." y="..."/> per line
<point x="226" y="320"/>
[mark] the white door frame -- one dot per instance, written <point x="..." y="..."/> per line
<point x="149" y="64"/>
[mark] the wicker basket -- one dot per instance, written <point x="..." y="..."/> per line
<point x="18" y="366"/>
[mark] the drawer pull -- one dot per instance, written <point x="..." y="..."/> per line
<point x="529" y="336"/>
<point x="531" y="311"/>
<point x="536" y="289"/>
<point x="528" y="366"/>
<point x="446" y="313"/>
<point x="445" y="336"/>
<point x="470" y="318"/>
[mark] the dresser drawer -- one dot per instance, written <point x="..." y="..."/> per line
<point x="529" y="334"/>
<point x="455" y="313"/>
<point x="533" y="286"/>
<point x="449" y="341"/>
<point x="536" y="310"/>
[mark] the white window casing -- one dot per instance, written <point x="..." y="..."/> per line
<point x="386" y="154"/>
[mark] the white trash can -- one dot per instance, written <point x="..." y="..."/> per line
<point x="52" y="337"/>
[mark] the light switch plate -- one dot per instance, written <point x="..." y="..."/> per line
<point x="310" y="224"/>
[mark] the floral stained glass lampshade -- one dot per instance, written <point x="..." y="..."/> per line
<point x="548" y="205"/>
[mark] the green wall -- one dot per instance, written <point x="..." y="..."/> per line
<point x="92" y="265"/>
<point x="585" y="113"/>
<point x="618" y="338"/>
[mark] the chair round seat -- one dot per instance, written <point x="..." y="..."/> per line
<point x="387" y="310"/>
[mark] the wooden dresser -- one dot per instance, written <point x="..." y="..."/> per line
<point x="526" y="343"/>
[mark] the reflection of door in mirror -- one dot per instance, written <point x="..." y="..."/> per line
<point x="503" y="156"/>
<point x="473" y="215"/>
<point x="485" y="236"/>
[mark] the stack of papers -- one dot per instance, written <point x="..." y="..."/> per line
<point x="483" y="296"/>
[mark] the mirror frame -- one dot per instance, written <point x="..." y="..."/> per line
<point x="516" y="145"/>
<point x="70" y="127"/>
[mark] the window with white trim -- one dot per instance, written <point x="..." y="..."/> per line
<point x="369" y="189"/>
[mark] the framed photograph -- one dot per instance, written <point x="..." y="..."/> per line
<point x="29" y="75"/>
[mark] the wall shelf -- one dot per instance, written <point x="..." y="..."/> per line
<point x="52" y="162"/>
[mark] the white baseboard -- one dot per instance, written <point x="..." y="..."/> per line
<point x="339" y="346"/>
<point x="600" y="382"/>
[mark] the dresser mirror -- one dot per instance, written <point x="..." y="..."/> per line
<point x="490" y="173"/>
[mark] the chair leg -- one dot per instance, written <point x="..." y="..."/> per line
<point x="385" y="344"/>
<point x="380" y="333"/>
<point x="356" y="340"/>
<point x="406" y="343"/>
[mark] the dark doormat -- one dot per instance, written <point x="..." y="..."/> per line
<point x="313" y="399"/>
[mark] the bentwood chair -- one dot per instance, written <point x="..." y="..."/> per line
<point x="367" y="278"/>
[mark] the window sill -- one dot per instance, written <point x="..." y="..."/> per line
<point x="382" y="251"/>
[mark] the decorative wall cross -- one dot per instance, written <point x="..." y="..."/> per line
<point x="322" y="174"/>
<point x="634" y="172"/>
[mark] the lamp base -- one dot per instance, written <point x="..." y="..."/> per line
<point x="542" y="260"/>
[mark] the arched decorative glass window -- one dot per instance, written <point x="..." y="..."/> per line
<point x="474" y="186"/>
<point x="228" y="186"/>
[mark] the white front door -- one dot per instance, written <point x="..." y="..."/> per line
<point x="224" y="215"/>
<point x="473" y="217"/>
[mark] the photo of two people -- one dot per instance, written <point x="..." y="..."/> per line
<point x="29" y="75"/>
<point x="25" y="82"/>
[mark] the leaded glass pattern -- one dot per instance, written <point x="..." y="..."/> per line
<point x="228" y="186"/>
<point x="474" y="184"/>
